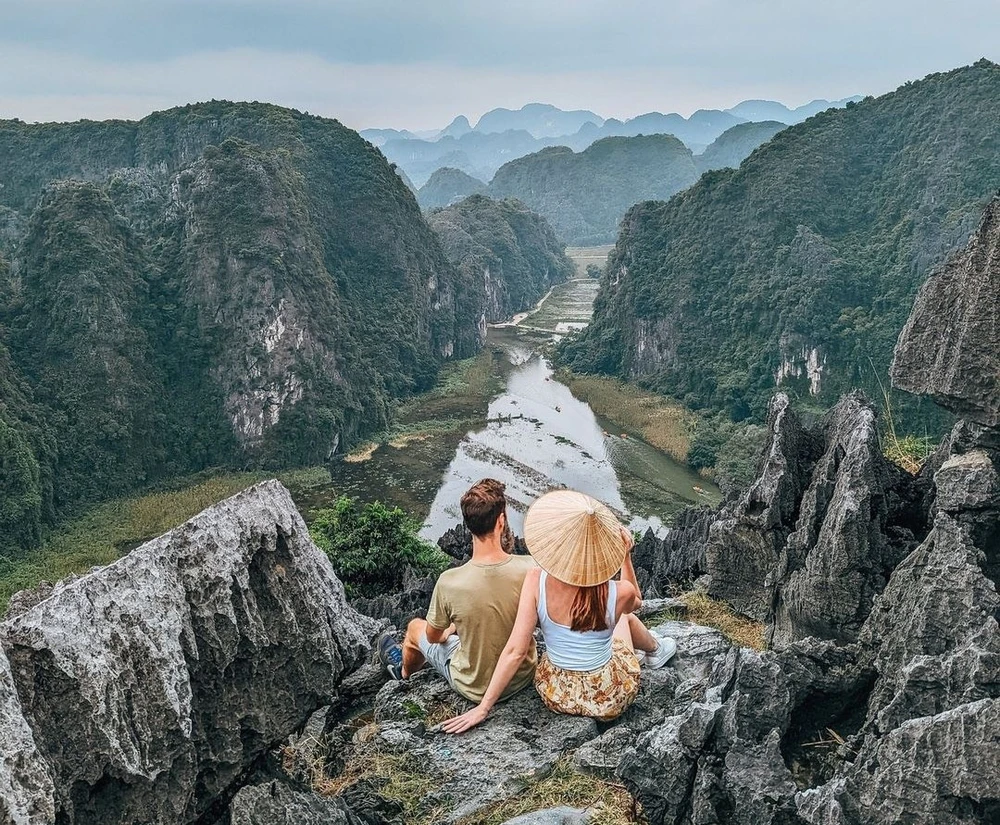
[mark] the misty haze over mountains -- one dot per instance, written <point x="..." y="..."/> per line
<point x="502" y="135"/>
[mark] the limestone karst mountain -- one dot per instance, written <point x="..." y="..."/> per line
<point x="585" y="194"/>
<point x="213" y="284"/>
<point x="735" y="145"/>
<point x="448" y="186"/>
<point x="503" y="135"/>
<point x="507" y="255"/>
<point x="797" y="269"/>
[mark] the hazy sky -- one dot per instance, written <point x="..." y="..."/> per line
<point x="417" y="63"/>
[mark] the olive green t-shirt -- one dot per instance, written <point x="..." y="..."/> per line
<point x="481" y="599"/>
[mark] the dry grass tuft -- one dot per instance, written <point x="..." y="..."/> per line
<point x="702" y="609"/>
<point x="666" y="425"/>
<point x="909" y="452"/>
<point x="403" y="778"/>
<point x="612" y="804"/>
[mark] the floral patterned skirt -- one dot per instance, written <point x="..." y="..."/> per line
<point x="601" y="694"/>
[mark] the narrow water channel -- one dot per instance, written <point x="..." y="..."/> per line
<point x="534" y="435"/>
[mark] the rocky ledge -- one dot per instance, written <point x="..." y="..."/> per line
<point x="147" y="690"/>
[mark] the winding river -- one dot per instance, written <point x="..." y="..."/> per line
<point x="533" y="435"/>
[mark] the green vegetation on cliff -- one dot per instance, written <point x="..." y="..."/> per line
<point x="507" y="255"/>
<point x="584" y="195"/>
<point x="801" y="265"/>
<point x="373" y="546"/>
<point x="215" y="285"/>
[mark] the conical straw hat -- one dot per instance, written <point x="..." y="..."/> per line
<point x="574" y="537"/>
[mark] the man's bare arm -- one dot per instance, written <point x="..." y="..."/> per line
<point x="435" y="636"/>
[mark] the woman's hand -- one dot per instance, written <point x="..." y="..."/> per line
<point x="627" y="538"/>
<point x="467" y="721"/>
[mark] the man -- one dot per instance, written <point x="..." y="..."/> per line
<point x="473" y="606"/>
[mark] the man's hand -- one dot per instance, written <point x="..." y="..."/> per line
<point x="467" y="721"/>
<point x="436" y="637"/>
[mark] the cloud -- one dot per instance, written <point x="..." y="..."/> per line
<point x="417" y="64"/>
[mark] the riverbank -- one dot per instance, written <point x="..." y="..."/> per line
<point x="657" y="420"/>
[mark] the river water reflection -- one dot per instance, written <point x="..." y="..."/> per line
<point x="534" y="435"/>
<point x="538" y="436"/>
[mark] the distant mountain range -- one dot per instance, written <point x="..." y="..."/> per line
<point x="502" y="135"/>
<point x="584" y="195"/>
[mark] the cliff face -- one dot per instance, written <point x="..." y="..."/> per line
<point x="959" y="367"/>
<point x="213" y="284"/>
<point x="797" y="268"/>
<point x="507" y="255"/>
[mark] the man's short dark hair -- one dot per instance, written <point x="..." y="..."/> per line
<point x="482" y="505"/>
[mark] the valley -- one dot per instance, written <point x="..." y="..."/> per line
<point x="503" y="413"/>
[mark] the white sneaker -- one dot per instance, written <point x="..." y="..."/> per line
<point x="641" y="656"/>
<point x="665" y="650"/>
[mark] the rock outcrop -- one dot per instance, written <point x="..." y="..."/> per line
<point x="948" y="348"/>
<point x="152" y="686"/>
<point x="881" y="705"/>
<point x="810" y="544"/>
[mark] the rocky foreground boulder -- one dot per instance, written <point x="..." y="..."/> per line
<point x="148" y="690"/>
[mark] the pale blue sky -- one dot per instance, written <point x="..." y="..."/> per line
<point x="416" y="64"/>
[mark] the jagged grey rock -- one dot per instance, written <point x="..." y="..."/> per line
<point x="948" y="348"/>
<point x="935" y="770"/>
<point x="745" y="541"/>
<point x="275" y="803"/>
<point x="27" y="794"/>
<point x="676" y="559"/>
<point x="812" y="541"/>
<point x="841" y="552"/>
<point x="153" y="684"/>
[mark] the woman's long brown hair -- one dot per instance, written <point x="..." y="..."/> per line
<point x="590" y="608"/>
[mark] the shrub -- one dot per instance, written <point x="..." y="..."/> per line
<point x="372" y="546"/>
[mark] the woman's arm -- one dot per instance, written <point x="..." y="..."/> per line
<point x="630" y="596"/>
<point x="514" y="653"/>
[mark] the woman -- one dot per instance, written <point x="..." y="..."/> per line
<point x="590" y="666"/>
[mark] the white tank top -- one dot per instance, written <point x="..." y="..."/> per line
<point x="576" y="649"/>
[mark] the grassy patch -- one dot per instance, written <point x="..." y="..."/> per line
<point x="612" y="804"/>
<point x="110" y="530"/>
<point x="665" y="424"/>
<point x="403" y="778"/>
<point x="704" y="610"/>
<point x="469" y="378"/>
<point x="909" y="452"/>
